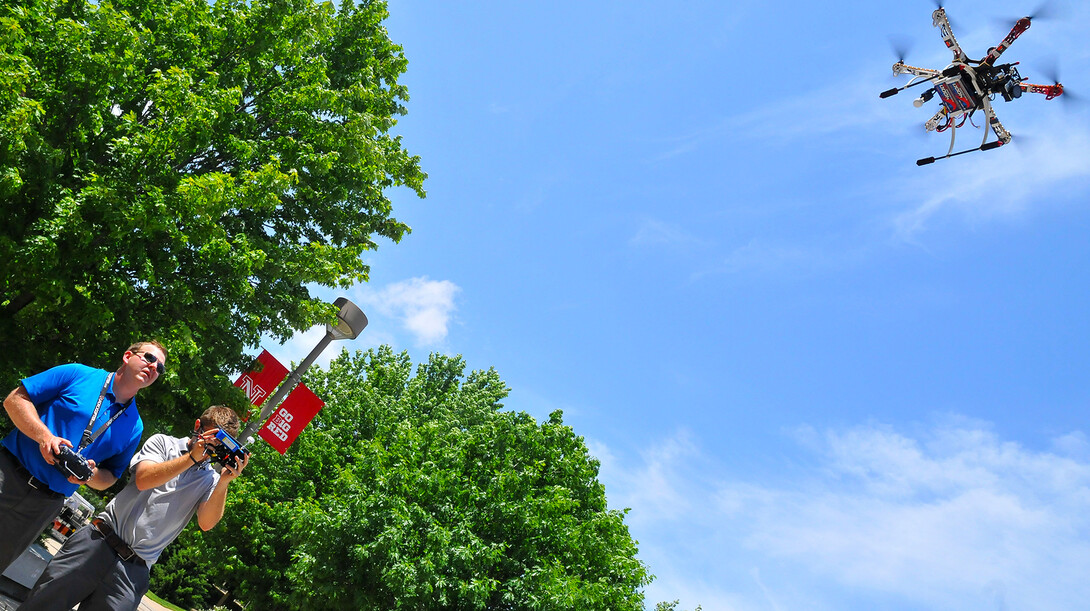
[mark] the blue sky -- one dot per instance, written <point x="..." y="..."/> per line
<point x="821" y="377"/>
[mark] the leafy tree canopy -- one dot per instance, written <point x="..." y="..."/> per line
<point x="417" y="491"/>
<point x="184" y="169"/>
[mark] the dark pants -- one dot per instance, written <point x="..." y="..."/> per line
<point x="24" y="510"/>
<point x="87" y="572"/>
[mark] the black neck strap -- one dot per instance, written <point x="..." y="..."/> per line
<point x="88" y="438"/>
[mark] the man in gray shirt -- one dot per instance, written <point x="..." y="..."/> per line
<point x="107" y="564"/>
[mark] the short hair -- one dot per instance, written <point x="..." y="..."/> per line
<point x="138" y="345"/>
<point x="220" y="417"/>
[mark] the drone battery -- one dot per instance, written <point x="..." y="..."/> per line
<point x="228" y="441"/>
<point x="955" y="96"/>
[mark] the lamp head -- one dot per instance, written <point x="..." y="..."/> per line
<point x="351" y="320"/>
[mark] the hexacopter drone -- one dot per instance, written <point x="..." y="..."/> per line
<point x="967" y="85"/>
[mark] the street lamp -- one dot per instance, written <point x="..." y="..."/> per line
<point x="350" y="323"/>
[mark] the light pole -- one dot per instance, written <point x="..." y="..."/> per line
<point x="350" y="323"/>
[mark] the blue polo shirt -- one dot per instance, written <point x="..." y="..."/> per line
<point x="65" y="397"/>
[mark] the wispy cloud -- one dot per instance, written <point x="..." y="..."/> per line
<point x="848" y="106"/>
<point x="652" y="486"/>
<point x="762" y="256"/>
<point x="768" y="256"/>
<point x="654" y="232"/>
<point x="950" y="518"/>
<point x="423" y="307"/>
<point x="1002" y="183"/>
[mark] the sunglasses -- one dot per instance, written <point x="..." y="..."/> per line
<point x="153" y="360"/>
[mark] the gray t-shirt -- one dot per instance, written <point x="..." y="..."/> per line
<point x="149" y="520"/>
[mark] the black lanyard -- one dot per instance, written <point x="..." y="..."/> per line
<point x="88" y="438"/>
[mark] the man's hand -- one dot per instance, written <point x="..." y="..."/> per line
<point x="231" y="471"/>
<point x="50" y="446"/>
<point x="79" y="482"/>
<point x="199" y="449"/>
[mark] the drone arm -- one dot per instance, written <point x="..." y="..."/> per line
<point x="1020" y="26"/>
<point x="1049" y="91"/>
<point x="903" y="68"/>
<point x="939" y="20"/>
<point x="919" y="76"/>
<point x="938" y="122"/>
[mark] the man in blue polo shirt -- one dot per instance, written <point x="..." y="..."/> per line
<point x="54" y="409"/>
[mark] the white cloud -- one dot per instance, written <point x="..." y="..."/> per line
<point x="1074" y="445"/>
<point x="423" y="306"/>
<point x="939" y="521"/>
<point x="951" y="518"/>
<point x="653" y="487"/>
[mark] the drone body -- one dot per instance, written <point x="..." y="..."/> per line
<point x="966" y="86"/>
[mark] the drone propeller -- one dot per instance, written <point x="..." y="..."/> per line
<point x="900" y="46"/>
<point x="1022" y="141"/>
<point x="1069" y="97"/>
<point x="1046" y="10"/>
<point x="1052" y="73"/>
<point x="939" y="4"/>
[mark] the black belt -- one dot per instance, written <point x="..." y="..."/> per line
<point x="118" y="544"/>
<point x="30" y="480"/>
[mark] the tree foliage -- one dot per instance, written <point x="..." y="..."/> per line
<point x="184" y="169"/>
<point x="421" y="492"/>
<point x="671" y="606"/>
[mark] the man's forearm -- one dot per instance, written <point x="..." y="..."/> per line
<point x="210" y="512"/>
<point x="102" y="479"/>
<point x="150" y="475"/>
<point x="24" y="415"/>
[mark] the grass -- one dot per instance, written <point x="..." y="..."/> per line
<point x="164" y="603"/>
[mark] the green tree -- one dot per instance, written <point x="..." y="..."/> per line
<point x="185" y="169"/>
<point x="671" y="606"/>
<point x="420" y="492"/>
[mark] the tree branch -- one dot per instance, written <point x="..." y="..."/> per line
<point x="20" y="302"/>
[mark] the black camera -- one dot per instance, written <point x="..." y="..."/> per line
<point x="228" y="452"/>
<point x="72" y="464"/>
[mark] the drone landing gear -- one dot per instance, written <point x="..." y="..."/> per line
<point x="1002" y="136"/>
<point x="983" y="147"/>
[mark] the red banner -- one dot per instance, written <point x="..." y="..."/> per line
<point x="263" y="377"/>
<point x="293" y="415"/>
